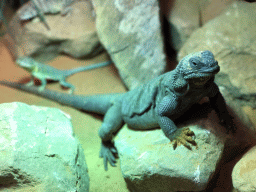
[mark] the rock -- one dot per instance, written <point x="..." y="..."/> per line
<point x="73" y="34"/>
<point x="244" y="172"/>
<point x="131" y="33"/>
<point x="187" y="16"/>
<point x="149" y="163"/>
<point x="184" y="19"/>
<point x="39" y="151"/>
<point x="231" y="37"/>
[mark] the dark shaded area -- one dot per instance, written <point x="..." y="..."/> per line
<point x="15" y="4"/>
<point x="13" y="178"/>
<point x="222" y="79"/>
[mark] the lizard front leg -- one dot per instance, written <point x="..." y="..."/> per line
<point x="217" y="101"/>
<point x="179" y="136"/>
<point x="112" y="122"/>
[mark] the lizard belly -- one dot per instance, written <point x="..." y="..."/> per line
<point x="147" y="120"/>
<point x="186" y="102"/>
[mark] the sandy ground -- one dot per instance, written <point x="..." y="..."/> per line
<point x="103" y="80"/>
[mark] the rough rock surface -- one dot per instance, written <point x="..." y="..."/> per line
<point x="231" y="37"/>
<point x="39" y="151"/>
<point x="73" y="34"/>
<point x="185" y="16"/>
<point x="149" y="163"/>
<point x="131" y="33"/>
<point x="244" y="172"/>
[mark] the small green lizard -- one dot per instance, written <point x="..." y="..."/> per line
<point x="44" y="72"/>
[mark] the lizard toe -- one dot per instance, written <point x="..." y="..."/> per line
<point x="108" y="153"/>
<point x="184" y="137"/>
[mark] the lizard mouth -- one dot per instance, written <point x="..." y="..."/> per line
<point x="201" y="80"/>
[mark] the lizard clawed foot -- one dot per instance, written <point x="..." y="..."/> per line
<point x="183" y="137"/>
<point x="109" y="153"/>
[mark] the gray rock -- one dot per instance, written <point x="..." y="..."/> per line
<point x="149" y="162"/>
<point x="244" y="172"/>
<point x="38" y="150"/>
<point x="231" y="37"/>
<point x="131" y="33"/>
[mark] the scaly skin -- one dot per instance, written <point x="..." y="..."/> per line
<point x="156" y="103"/>
<point x="44" y="72"/>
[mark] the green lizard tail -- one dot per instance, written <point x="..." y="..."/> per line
<point x="86" y="68"/>
<point x="91" y="103"/>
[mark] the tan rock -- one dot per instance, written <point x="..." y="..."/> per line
<point x="244" y="172"/>
<point x="74" y="33"/>
<point x="185" y="16"/>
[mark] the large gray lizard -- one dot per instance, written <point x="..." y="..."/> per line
<point x="44" y="72"/>
<point x="155" y="104"/>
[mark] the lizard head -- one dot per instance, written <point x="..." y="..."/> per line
<point x="199" y="67"/>
<point x="26" y="63"/>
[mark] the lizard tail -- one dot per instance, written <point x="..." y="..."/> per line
<point x="86" y="68"/>
<point x="92" y="103"/>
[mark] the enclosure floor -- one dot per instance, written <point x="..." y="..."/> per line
<point x="103" y="80"/>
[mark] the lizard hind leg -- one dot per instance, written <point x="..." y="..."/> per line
<point x="112" y="123"/>
<point x="43" y="84"/>
<point x="31" y="82"/>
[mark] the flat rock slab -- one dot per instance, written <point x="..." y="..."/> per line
<point x="149" y="162"/>
<point x="38" y="150"/>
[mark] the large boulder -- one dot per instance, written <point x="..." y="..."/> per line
<point x="231" y="37"/>
<point x="131" y="33"/>
<point x="39" y="151"/>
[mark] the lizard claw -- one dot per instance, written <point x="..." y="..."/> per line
<point x="184" y="137"/>
<point x="108" y="152"/>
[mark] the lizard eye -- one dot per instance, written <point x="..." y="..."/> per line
<point x="193" y="63"/>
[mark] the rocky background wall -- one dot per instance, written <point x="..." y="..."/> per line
<point x="140" y="37"/>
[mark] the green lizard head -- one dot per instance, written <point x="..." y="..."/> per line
<point x="27" y="63"/>
<point x="198" y="67"/>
